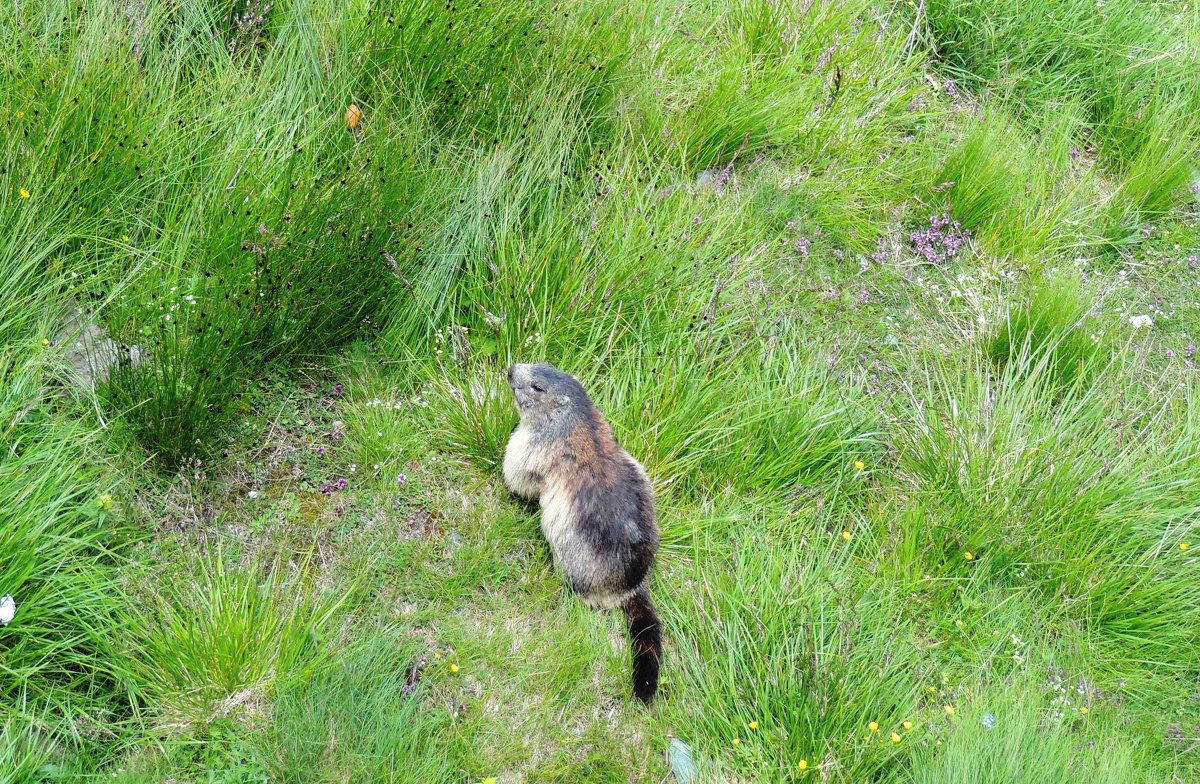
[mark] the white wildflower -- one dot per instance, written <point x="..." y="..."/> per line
<point x="8" y="609"/>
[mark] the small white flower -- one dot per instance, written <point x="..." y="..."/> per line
<point x="1141" y="321"/>
<point x="494" y="321"/>
<point x="8" y="609"/>
<point x="252" y="494"/>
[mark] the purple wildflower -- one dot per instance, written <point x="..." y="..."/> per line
<point x="951" y="90"/>
<point x="320" y="450"/>
<point x="250" y="25"/>
<point x="802" y="246"/>
<point x="941" y="241"/>
<point x="1190" y="351"/>
<point x="326" y="489"/>
<point x="881" y="254"/>
<point x="401" y="478"/>
<point x="340" y="484"/>
<point x="1196" y="188"/>
<point x="337" y="390"/>
<point x="1192" y="262"/>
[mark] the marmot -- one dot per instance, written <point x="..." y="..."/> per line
<point x="597" y="504"/>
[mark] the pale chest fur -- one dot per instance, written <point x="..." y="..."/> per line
<point x="558" y="524"/>
<point x="527" y="474"/>
<point x="523" y="470"/>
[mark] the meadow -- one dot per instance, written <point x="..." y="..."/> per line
<point x="898" y="303"/>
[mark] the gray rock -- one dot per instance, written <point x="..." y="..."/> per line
<point x="89" y="353"/>
<point x="683" y="766"/>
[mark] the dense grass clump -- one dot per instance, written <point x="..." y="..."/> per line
<point x="1053" y="332"/>
<point x="1019" y="196"/>
<point x="792" y="678"/>
<point x="362" y="718"/>
<point x="62" y="671"/>
<point x="216" y="644"/>
<point x="1129" y="66"/>
<point x="1007" y="740"/>
<point x="1043" y="491"/>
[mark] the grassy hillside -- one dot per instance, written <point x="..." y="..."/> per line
<point x="897" y="302"/>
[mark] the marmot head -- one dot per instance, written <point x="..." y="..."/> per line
<point x="545" y="394"/>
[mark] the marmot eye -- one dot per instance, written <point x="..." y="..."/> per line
<point x="538" y="388"/>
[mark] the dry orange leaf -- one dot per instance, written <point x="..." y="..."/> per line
<point x="353" y="115"/>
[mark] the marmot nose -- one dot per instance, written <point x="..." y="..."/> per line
<point x="510" y="375"/>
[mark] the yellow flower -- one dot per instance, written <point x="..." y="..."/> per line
<point x="453" y="668"/>
<point x="873" y="726"/>
<point x="753" y="725"/>
<point x="859" y="465"/>
<point x="895" y="737"/>
<point x="737" y="741"/>
<point x="959" y="623"/>
<point x="489" y="780"/>
<point x="970" y="556"/>
<point x="124" y="238"/>
<point x="1084" y="710"/>
<point x="20" y="115"/>
<point x="908" y="725"/>
<point x="950" y="710"/>
<point x="105" y="502"/>
<point x="846" y="536"/>
<point x="1184" y="545"/>
<point x="24" y="194"/>
<point x="45" y="342"/>
<point x="437" y="654"/>
<point x="803" y="765"/>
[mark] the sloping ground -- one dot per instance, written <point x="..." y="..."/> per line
<point x="897" y="305"/>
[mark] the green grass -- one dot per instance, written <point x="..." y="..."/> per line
<point x="222" y="640"/>
<point x="1020" y="737"/>
<point x="362" y="718"/>
<point x="1130" y="67"/>
<point x="1053" y="331"/>
<point x="904" y="485"/>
